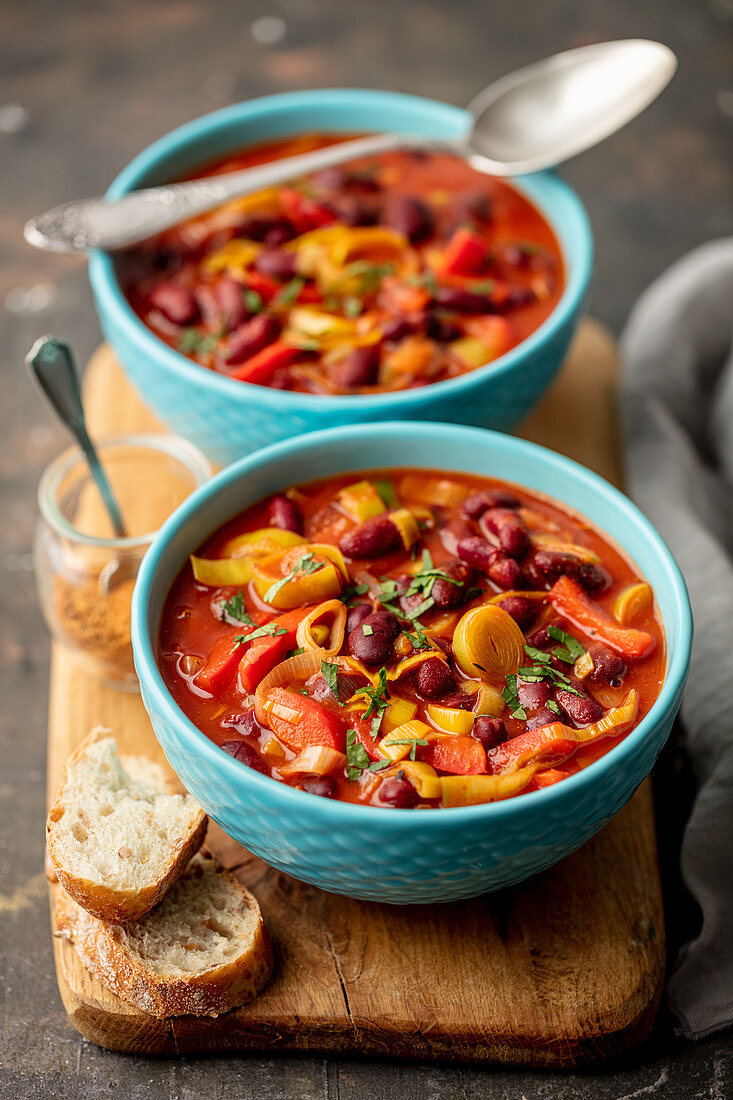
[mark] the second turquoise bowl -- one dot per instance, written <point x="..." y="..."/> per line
<point x="227" y="418"/>
<point x="385" y="854"/>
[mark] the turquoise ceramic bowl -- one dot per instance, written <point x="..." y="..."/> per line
<point x="406" y="855"/>
<point x="228" y="419"/>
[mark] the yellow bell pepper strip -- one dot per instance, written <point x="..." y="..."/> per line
<point x="397" y="713"/>
<point x="407" y="526"/>
<point x="360" y="501"/>
<point x="632" y="602"/>
<point x="432" y="491"/>
<point x="269" y="647"/>
<point x="300" y="721"/>
<point x="265" y="540"/>
<point x="472" y="353"/>
<point x="558" y="741"/>
<point x="404" y="740"/>
<point x="222" y="572"/>
<point x="235" y="256"/>
<point x="472" y="790"/>
<point x="572" y="602"/>
<point x="424" y="779"/>
<point x="300" y="575"/>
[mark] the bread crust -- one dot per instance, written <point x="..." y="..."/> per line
<point x="102" y="950"/>
<point x="104" y="901"/>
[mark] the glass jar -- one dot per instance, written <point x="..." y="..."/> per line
<point x="85" y="575"/>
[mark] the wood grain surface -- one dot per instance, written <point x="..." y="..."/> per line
<point x="563" y="970"/>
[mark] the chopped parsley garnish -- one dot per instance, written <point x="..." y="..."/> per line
<point x="570" y="649"/>
<point x="473" y="593"/>
<point x="352" y="307"/>
<point x="420" y="584"/>
<point x="511" y="698"/>
<point x="295" y="652"/>
<point x="369" y="275"/>
<point x="234" y="608"/>
<point x="357" y="758"/>
<point x="288" y="294"/>
<point x="348" y="596"/>
<point x="367" y="630"/>
<point x="418" y="640"/>
<point x="483" y="286"/>
<point x="552" y="705"/>
<point x="377" y="765"/>
<point x="426" y="279"/>
<point x="252" y="300"/>
<point x="193" y="342"/>
<point x="387" y="493"/>
<point x="270" y="630"/>
<point x="330" y="675"/>
<point x="305" y="565"/>
<point x="413" y="741"/>
<point x="378" y="700"/>
<point x="306" y="345"/>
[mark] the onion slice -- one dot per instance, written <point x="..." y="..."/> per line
<point x="299" y="667"/>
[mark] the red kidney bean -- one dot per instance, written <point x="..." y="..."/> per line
<point x="352" y="210"/>
<point x="607" y="666"/>
<point x="409" y="216"/>
<point x="472" y="205"/>
<point x="250" y="338"/>
<point x="476" y="504"/>
<point x="371" y="539"/>
<point x="397" y="792"/>
<point x="533" y="695"/>
<point x="330" y="179"/>
<point x="276" y="263"/>
<point x="176" y="303"/>
<point x="509" y="529"/>
<point x="357" y="614"/>
<point x="268" y="229"/>
<point x="244" y="722"/>
<point x="360" y="368"/>
<point x="245" y="754"/>
<point x="462" y="301"/>
<point x="447" y="594"/>
<point x="477" y="552"/>
<point x="539" y="638"/>
<point x="434" y="678"/>
<point x="506" y="573"/>
<point x="373" y="649"/>
<point x="459" y="700"/>
<point x="438" y="329"/>
<point x="322" y="785"/>
<point x="208" y="304"/>
<point x="544" y="717"/>
<point x="232" y="309"/>
<point x="397" y="329"/>
<point x="526" y="258"/>
<point x="517" y="298"/>
<point x="581" y="709"/>
<point x="385" y="621"/>
<point x="552" y="564"/>
<point x="489" y="731"/>
<point x="523" y="611"/>
<point x="284" y="513"/>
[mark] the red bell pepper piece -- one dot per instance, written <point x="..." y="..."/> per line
<point x="305" y="213"/>
<point x="363" y="732"/>
<point x="571" y="601"/>
<point x="458" y="755"/>
<point x="528" y="747"/>
<point x="466" y="253"/>
<point x="265" y="651"/>
<point x="263" y="285"/>
<point x="221" y="664"/>
<point x="261" y="367"/>
<point x="316" y="725"/>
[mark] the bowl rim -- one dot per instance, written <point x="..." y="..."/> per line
<point x="152" y="681"/>
<point x="537" y="187"/>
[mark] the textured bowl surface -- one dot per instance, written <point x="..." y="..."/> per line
<point x="228" y="418"/>
<point x="406" y="855"/>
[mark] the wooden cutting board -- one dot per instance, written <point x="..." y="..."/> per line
<point x="566" y="969"/>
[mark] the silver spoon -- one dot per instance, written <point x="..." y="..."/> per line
<point x="531" y="119"/>
<point x="51" y="364"/>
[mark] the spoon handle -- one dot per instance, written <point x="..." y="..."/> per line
<point x="97" y="223"/>
<point x="51" y="364"/>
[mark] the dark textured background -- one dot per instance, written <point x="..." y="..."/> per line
<point x="97" y="82"/>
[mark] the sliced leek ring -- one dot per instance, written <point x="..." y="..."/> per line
<point x="487" y="643"/>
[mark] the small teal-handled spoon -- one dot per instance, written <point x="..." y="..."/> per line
<point x="51" y="364"/>
<point x="531" y="119"/>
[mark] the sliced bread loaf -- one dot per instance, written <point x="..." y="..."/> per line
<point x="116" y="835"/>
<point x="203" y="951"/>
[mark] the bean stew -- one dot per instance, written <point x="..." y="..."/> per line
<point x="381" y="275"/>
<point x="412" y="638"/>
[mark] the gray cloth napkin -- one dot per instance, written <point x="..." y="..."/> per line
<point x="677" y="415"/>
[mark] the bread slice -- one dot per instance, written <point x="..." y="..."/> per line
<point x="116" y="835"/>
<point x="203" y="951"/>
